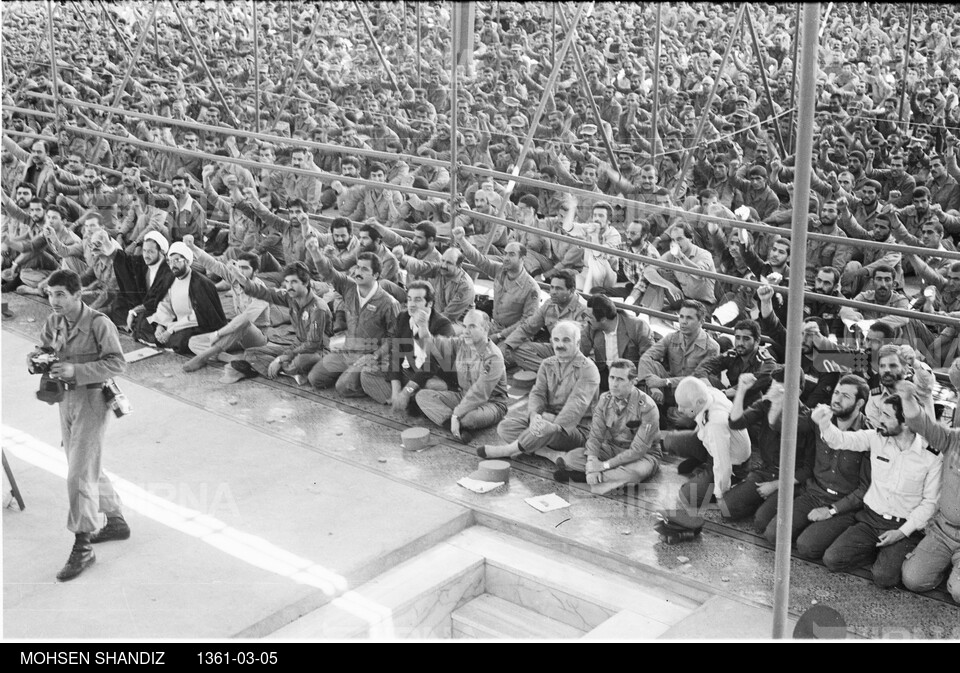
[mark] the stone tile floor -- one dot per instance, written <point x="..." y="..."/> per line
<point x="728" y="557"/>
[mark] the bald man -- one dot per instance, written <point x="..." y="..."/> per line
<point x="715" y="451"/>
<point x="556" y="419"/>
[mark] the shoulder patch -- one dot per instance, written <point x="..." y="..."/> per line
<point x="934" y="451"/>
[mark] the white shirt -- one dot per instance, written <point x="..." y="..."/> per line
<point x="363" y="300"/>
<point x="611" y="346"/>
<point x="152" y="273"/>
<point x="727" y="447"/>
<point x="180" y="299"/>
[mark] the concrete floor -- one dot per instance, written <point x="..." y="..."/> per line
<point x="254" y="503"/>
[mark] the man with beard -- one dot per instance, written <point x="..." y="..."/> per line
<point x="834" y="491"/>
<point x="902" y="497"/>
<point x="404" y="366"/>
<point x="24" y="247"/>
<point x="561" y="399"/>
<point x="727" y="194"/>
<point x="746" y="357"/>
<point x="894" y="365"/>
<point x="306" y="188"/>
<point x="453" y="286"/>
<point x="87" y="193"/>
<point x="382" y="205"/>
<point x="882" y="295"/>
<point x="369" y="240"/>
<point x="371" y="315"/>
<point x="516" y="295"/>
<point x="826" y="253"/>
<point x="190" y="304"/>
<point x="945" y="301"/>
<point x="676" y="356"/>
<point x="912" y="218"/>
<point x="896" y="185"/>
<point x="623" y="446"/>
<point x="865" y="210"/>
<point x="311" y="324"/>
<point x="637" y="241"/>
<point x="487" y="202"/>
<point x="292" y="241"/>
<point x="925" y="568"/>
<point x="646" y="192"/>
<point x="142" y="279"/>
<point x="827" y="283"/>
<point x="944" y="190"/>
<point x="253" y="314"/>
<point x="756" y="495"/>
<point x="856" y="274"/>
<point x="524" y="345"/>
<point x="422" y="248"/>
<point x="757" y="194"/>
<point x="186" y="216"/>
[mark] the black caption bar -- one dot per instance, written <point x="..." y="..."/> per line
<point x="202" y="655"/>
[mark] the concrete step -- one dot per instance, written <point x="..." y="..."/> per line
<point x="627" y="626"/>
<point x="572" y="591"/>
<point x="413" y="600"/>
<point x="489" y="617"/>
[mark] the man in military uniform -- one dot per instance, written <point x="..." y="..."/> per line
<point x="624" y="444"/>
<point x="88" y="352"/>
<point x="746" y="356"/>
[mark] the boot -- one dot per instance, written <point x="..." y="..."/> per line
<point x="81" y="556"/>
<point x="116" y="529"/>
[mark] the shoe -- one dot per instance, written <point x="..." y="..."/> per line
<point x="244" y="367"/>
<point x="482" y="452"/>
<point x="116" y="529"/>
<point x="688" y="466"/>
<point x="465" y="437"/>
<point x="561" y="464"/>
<point x="81" y="557"/>
<point x="561" y="476"/>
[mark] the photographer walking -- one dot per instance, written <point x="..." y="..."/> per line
<point x="84" y="353"/>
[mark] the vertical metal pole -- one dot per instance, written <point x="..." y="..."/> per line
<point x="314" y="34"/>
<point x="581" y="73"/>
<point x="256" y="68"/>
<point x="688" y="156"/>
<point x="537" y="116"/>
<point x="290" y="6"/>
<point x="763" y="78"/>
<point x="553" y="29"/>
<point x="906" y="63"/>
<point x="203" y="62"/>
<point x="418" y="56"/>
<point x="53" y="60"/>
<point x="133" y="60"/>
<point x="793" y="86"/>
<point x="113" y="23"/>
<point x="793" y="375"/>
<point x="376" y="46"/>
<point x="156" y="39"/>
<point x="457" y="15"/>
<point x="655" y="102"/>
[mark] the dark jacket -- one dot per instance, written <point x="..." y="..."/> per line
<point x="398" y="348"/>
<point x="204" y="299"/>
<point x="131" y="272"/>
<point x="633" y="339"/>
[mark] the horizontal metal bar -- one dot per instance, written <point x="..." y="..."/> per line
<point x="226" y="130"/>
<point x="861" y="306"/>
<point x="247" y="163"/>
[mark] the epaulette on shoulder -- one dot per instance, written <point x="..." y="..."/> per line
<point x="932" y="450"/>
<point x="876" y="391"/>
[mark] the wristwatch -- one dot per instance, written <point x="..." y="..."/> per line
<point x="832" y="510"/>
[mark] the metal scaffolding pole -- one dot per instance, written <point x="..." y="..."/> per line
<point x="581" y="73"/>
<point x="456" y="18"/>
<point x="133" y="61"/>
<point x="537" y="115"/>
<point x="417" y="55"/>
<point x="314" y="34"/>
<point x="53" y="60"/>
<point x="203" y="63"/>
<point x="553" y="30"/>
<point x="655" y="102"/>
<point x="256" y="68"/>
<point x="793" y="85"/>
<point x="113" y="23"/>
<point x="793" y="375"/>
<point x="763" y="78"/>
<point x="156" y="38"/>
<point x="705" y="112"/>
<point x="376" y="45"/>
<point x="906" y="64"/>
<point x="290" y="7"/>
